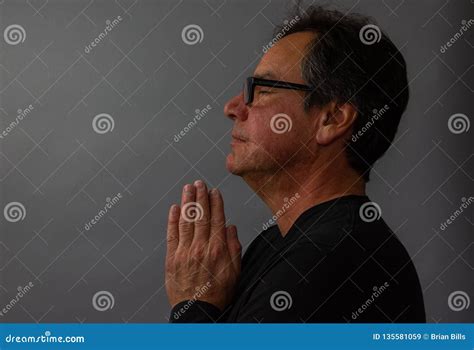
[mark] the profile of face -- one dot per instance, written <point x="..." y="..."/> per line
<point x="270" y="131"/>
<point x="275" y="131"/>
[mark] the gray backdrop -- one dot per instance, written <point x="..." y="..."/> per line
<point x="59" y="166"/>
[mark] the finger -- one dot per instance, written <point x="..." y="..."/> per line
<point x="234" y="247"/>
<point x="187" y="217"/>
<point x="217" y="217"/>
<point x="201" y="225"/>
<point x="172" y="236"/>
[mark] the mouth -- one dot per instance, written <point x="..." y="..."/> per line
<point x="237" y="138"/>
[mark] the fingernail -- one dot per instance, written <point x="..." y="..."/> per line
<point x="198" y="183"/>
<point x="173" y="211"/>
<point x="188" y="188"/>
<point x="215" y="192"/>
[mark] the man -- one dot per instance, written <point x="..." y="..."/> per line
<point x="307" y="126"/>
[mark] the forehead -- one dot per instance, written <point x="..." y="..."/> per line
<point x="283" y="60"/>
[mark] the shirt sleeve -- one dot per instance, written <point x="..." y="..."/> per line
<point x="194" y="311"/>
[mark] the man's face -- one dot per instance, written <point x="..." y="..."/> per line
<point x="274" y="131"/>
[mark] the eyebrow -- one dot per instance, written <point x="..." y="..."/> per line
<point x="265" y="75"/>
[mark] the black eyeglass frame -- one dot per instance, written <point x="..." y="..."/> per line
<point x="251" y="82"/>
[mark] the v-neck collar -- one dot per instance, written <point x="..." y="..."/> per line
<point x="318" y="211"/>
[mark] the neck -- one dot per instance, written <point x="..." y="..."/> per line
<point x="290" y="192"/>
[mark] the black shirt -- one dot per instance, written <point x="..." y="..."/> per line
<point x="336" y="264"/>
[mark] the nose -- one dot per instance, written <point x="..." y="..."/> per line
<point x="235" y="108"/>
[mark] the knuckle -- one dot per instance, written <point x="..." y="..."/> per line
<point x="238" y="247"/>
<point x="201" y="223"/>
<point x="217" y="221"/>
<point x="184" y="225"/>
<point x="179" y="257"/>
<point x="197" y="253"/>
<point x="170" y="239"/>
<point x="216" y="252"/>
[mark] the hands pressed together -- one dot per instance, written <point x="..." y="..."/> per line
<point x="201" y="249"/>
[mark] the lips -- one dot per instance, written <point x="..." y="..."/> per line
<point x="238" y="137"/>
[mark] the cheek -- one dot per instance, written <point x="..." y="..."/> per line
<point x="265" y="121"/>
<point x="278" y="128"/>
<point x="278" y="116"/>
<point x="261" y="133"/>
<point x="281" y="142"/>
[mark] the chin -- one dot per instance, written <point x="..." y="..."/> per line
<point x="232" y="166"/>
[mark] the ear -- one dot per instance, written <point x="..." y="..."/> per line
<point x="334" y="122"/>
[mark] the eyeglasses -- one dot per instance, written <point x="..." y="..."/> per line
<point x="251" y="82"/>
